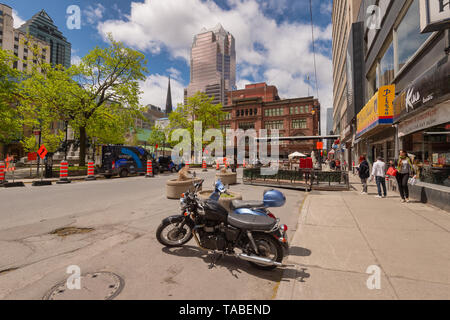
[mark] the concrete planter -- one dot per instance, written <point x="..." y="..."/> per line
<point x="224" y="201"/>
<point x="228" y="178"/>
<point x="175" y="188"/>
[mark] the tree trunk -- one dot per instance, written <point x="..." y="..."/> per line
<point x="82" y="162"/>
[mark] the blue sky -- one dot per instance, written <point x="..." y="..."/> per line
<point x="273" y="38"/>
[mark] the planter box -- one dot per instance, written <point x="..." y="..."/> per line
<point x="227" y="178"/>
<point x="224" y="201"/>
<point x="175" y="188"/>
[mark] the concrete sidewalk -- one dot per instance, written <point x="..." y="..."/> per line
<point x="340" y="235"/>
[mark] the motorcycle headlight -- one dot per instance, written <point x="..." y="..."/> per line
<point x="182" y="203"/>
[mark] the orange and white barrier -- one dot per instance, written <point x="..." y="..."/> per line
<point x="149" y="169"/>
<point x="204" y="167"/>
<point x="91" y="171"/>
<point x="63" y="173"/>
<point x="2" y="173"/>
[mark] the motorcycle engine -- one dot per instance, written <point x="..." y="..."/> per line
<point x="213" y="241"/>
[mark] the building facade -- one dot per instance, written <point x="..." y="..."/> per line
<point x="406" y="90"/>
<point x="329" y="127"/>
<point x="344" y="14"/>
<point x="213" y="64"/>
<point x="15" y="41"/>
<point x="42" y="27"/>
<point x="258" y="106"/>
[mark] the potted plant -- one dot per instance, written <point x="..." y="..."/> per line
<point x="184" y="183"/>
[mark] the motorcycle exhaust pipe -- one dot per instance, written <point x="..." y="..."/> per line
<point x="259" y="260"/>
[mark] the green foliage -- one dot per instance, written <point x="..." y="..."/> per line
<point x="199" y="108"/>
<point x="157" y="137"/>
<point x="11" y="122"/>
<point x="108" y="92"/>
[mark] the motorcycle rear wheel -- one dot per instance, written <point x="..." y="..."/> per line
<point x="173" y="237"/>
<point x="268" y="247"/>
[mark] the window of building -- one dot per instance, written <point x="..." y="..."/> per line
<point x="408" y="36"/>
<point x="299" y="124"/>
<point x="225" y="127"/>
<point x="246" y="125"/>
<point x="273" y="112"/>
<point x="387" y="66"/>
<point x="256" y="112"/>
<point x="270" y="125"/>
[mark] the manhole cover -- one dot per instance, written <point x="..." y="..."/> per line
<point x="94" y="286"/>
<point x="64" y="232"/>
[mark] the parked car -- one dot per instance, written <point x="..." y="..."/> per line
<point x="166" y="164"/>
<point x="125" y="160"/>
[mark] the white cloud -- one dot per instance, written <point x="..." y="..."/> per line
<point x="155" y="91"/>
<point x="326" y="7"/>
<point x="174" y="73"/>
<point x="283" y="56"/>
<point x="18" y="21"/>
<point x="93" y="14"/>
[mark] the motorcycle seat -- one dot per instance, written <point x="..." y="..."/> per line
<point x="251" y="222"/>
<point x="237" y="204"/>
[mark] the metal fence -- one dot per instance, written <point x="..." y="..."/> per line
<point x="302" y="178"/>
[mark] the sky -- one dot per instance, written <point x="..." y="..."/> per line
<point x="273" y="39"/>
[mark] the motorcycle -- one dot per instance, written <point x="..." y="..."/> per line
<point x="257" y="239"/>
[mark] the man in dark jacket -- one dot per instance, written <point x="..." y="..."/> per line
<point x="364" y="173"/>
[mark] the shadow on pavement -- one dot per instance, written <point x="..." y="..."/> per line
<point x="299" y="252"/>
<point x="236" y="266"/>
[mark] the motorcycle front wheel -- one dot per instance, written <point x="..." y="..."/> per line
<point x="170" y="233"/>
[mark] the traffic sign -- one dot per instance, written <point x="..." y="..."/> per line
<point x="32" y="156"/>
<point x="319" y="145"/>
<point x="42" y="152"/>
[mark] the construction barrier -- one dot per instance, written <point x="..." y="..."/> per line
<point x="217" y="166"/>
<point x="187" y="165"/>
<point x="205" y="168"/>
<point x="64" y="173"/>
<point x="2" y="173"/>
<point x="149" y="169"/>
<point x="91" y="172"/>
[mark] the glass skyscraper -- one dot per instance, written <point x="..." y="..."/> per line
<point x="213" y="64"/>
<point x="41" y="26"/>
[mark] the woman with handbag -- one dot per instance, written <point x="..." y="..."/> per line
<point x="405" y="171"/>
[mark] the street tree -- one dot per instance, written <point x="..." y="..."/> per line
<point x="201" y="108"/>
<point x="108" y="90"/>
<point x="11" y="121"/>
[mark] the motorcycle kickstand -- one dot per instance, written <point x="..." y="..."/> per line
<point x="215" y="257"/>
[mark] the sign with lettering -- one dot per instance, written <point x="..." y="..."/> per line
<point x="430" y="118"/>
<point x="431" y="88"/>
<point x="434" y="15"/>
<point x="378" y="111"/>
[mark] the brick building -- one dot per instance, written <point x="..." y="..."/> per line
<point x="259" y="106"/>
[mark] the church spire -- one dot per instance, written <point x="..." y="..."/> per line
<point x="169" y="100"/>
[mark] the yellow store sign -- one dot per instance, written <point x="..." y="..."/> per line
<point x="378" y="111"/>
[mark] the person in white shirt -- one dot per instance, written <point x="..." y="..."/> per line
<point x="379" y="173"/>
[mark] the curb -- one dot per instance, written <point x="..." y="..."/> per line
<point x="284" y="289"/>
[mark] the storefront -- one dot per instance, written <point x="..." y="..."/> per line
<point x="422" y="113"/>
<point x="422" y="116"/>
<point x="375" y="136"/>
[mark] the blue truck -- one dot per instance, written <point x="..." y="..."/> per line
<point x="123" y="161"/>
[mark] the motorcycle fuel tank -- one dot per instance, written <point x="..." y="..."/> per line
<point x="215" y="212"/>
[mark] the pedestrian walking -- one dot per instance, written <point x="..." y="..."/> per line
<point x="364" y="173"/>
<point x="379" y="173"/>
<point x="405" y="171"/>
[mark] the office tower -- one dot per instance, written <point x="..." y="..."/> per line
<point x="213" y="64"/>
<point x="41" y="27"/>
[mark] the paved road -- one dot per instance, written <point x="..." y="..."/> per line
<point x="124" y="214"/>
